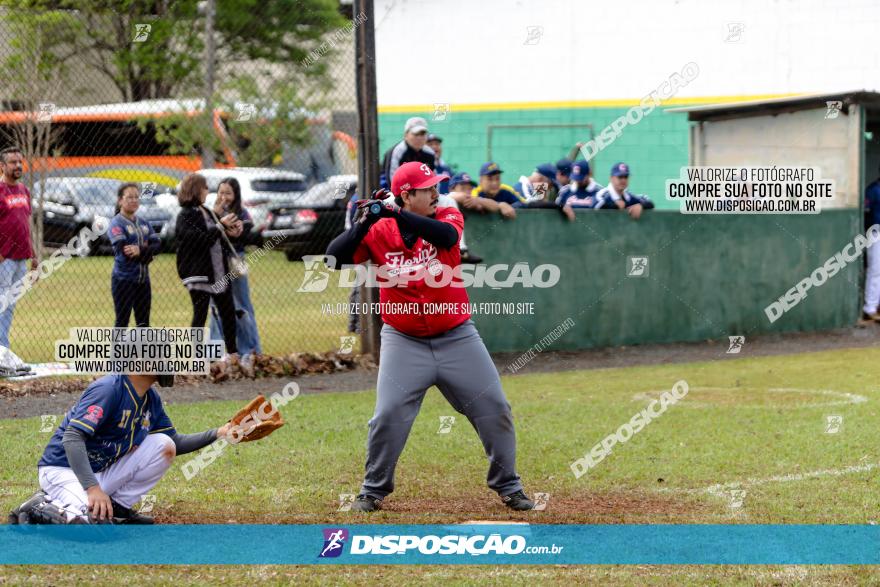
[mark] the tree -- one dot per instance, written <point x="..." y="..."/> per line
<point x="261" y="120"/>
<point x="163" y="60"/>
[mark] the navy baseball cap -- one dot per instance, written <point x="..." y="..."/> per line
<point x="548" y="170"/>
<point x="490" y="168"/>
<point x="563" y="166"/>
<point x="620" y="170"/>
<point x="433" y="137"/>
<point x="461" y="178"/>
<point x="580" y="170"/>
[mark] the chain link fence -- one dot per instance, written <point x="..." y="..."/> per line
<point x="97" y="95"/>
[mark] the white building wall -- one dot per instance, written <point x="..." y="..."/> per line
<point x="475" y="51"/>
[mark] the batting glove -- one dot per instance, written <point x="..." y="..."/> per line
<point x="376" y="208"/>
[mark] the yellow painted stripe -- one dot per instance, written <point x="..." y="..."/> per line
<point x="611" y="103"/>
<point x="135" y="175"/>
<point x="80" y="422"/>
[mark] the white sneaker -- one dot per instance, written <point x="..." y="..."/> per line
<point x="247" y="365"/>
<point x="11" y="364"/>
<point x="229" y="358"/>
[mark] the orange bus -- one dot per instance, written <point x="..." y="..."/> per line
<point x="105" y="141"/>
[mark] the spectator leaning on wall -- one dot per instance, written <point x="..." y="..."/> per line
<point x="490" y="195"/>
<point x="540" y="186"/>
<point x="617" y="196"/>
<point x="872" y="275"/>
<point x="463" y="183"/>
<point x="581" y="192"/>
<point x="411" y="148"/>
<point x="563" y="172"/>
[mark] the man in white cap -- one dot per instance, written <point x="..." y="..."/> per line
<point x="411" y="148"/>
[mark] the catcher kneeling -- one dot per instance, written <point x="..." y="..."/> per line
<point x="113" y="447"/>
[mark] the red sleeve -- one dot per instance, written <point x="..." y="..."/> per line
<point x="451" y="216"/>
<point x="362" y="253"/>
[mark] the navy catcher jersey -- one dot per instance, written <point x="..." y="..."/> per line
<point x="114" y="419"/>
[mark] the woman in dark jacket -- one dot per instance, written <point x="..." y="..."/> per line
<point x="202" y="251"/>
<point x="247" y="336"/>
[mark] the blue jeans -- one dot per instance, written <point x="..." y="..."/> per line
<point x="247" y="337"/>
<point x="12" y="271"/>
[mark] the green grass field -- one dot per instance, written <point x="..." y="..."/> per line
<point x="78" y="294"/>
<point x="754" y="431"/>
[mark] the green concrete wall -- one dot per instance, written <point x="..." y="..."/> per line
<point x="656" y="148"/>
<point x="710" y="276"/>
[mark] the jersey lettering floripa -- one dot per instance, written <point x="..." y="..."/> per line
<point x="422" y="265"/>
<point x="115" y="420"/>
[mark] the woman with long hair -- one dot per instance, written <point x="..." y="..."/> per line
<point x="202" y="262"/>
<point x="247" y="337"/>
<point x="134" y="244"/>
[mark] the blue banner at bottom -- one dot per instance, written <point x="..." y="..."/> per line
<point x="438" y="544"/>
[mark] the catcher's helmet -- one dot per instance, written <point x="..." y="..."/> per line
<point x="165" y="380"/>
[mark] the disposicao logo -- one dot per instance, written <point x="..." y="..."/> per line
<point x="334" y="541"/>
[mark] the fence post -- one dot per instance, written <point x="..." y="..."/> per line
<point x="368" y="149"/>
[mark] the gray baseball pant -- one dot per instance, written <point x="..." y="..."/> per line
<point x="458" y="363"/>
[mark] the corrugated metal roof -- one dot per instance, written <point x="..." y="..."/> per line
<point x="777" y="105"/>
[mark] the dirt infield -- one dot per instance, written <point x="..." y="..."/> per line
<point x="51" y="401"/>
<point x="619" y="507"/>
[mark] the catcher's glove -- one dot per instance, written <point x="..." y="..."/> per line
<point x="254" y="421"/>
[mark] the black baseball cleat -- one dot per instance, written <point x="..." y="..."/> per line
<point x="21" y="514"/>
<point x="518" y="501"/>
<point x="366" y="503"/>
<point x="124" y="515"/>
<point x="469" y="258"/>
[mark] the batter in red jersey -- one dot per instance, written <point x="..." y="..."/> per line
<point x="411" y="240"/>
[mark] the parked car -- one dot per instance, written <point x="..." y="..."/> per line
<point x="73" y="203"/>
<point x="308" y="224"/>
<point x="167" y="201"/>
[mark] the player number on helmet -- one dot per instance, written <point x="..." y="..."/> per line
<point x="424" y="167"/>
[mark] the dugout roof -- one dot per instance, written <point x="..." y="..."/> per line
<point x="774" y="106"/>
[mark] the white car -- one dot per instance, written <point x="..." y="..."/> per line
<point x="262" y="188"/>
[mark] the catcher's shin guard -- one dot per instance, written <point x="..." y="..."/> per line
<point x="47" y="512"/>
<point x="40" y="510"/>
<point x="20" y="515"/>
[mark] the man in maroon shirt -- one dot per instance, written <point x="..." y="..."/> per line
<point x="416" y="240"/>
<point x="15" y="236"/>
